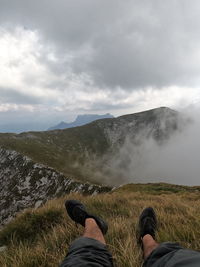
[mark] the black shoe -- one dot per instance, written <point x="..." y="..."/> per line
<point x="147" y="224"/>
<point x="77" y="212"/>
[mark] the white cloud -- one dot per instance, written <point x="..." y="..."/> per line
<point x="15" y="107"/>
<point x="18" y="52"/>
<point x="21" y="68"/>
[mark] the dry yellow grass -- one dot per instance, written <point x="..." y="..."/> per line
<point x="178" y="214"/>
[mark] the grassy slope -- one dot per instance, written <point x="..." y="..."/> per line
<point x="41" y="237"/>
<point x="59" y="149"/>
<point x="71" y="151"/>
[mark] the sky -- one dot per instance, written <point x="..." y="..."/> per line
<point x="62" y="58"/>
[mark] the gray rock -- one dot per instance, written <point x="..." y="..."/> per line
<point x="25" y="183"/>
<point x="3" y="248"/>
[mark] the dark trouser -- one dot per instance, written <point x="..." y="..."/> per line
<point x="92" y="253"/>
<point x="88" y="252"/>
<point x="172" y="254"/>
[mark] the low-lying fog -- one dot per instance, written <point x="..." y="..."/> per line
<point x="177" y="161"/>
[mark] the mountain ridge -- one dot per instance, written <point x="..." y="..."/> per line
<point x="75" y="151"/>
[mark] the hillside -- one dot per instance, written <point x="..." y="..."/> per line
<point x="25" y="183"/>
<point x="82" y="151"/>
<point x="41" y="237"/>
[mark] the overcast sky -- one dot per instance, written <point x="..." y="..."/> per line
<point x="67" y="57"/>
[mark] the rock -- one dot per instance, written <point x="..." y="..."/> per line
<point x="25" y="183"/>
<point x="3" y="248"/>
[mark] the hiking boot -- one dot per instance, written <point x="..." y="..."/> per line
<point x="147" y="224"/>
<point x="77" y="212"/>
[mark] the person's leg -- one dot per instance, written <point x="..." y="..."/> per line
<point x="163" y="254"/>
<point x="147" y="227"/>
<point x="90" y="249"/>
<point x="77" y="212"/>
<point x="148" y="245"/>
<point x="92" y="230"/>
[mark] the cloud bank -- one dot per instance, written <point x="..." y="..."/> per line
<point x="66" y="57"/>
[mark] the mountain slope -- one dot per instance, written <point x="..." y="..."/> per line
<point x="157" y="123"/>
<point x="76" y="151"/>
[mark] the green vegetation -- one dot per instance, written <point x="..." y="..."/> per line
<point x="158" y="188"/>
<point x="63" y="150"/>
<point x="83" y="152"/>
<point x="50" y="231"/>
<point x="27" y="226"/>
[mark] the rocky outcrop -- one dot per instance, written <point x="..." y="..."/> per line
<point x="25" y="183"/>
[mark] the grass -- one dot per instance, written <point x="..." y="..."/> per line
<point x="158" y="188"/>
<point x="48" y="230"/>
<point x="25" y="228"/>
<point x="64" y="150"/>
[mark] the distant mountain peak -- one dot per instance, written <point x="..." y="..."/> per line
<point x="80" y="120"/>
